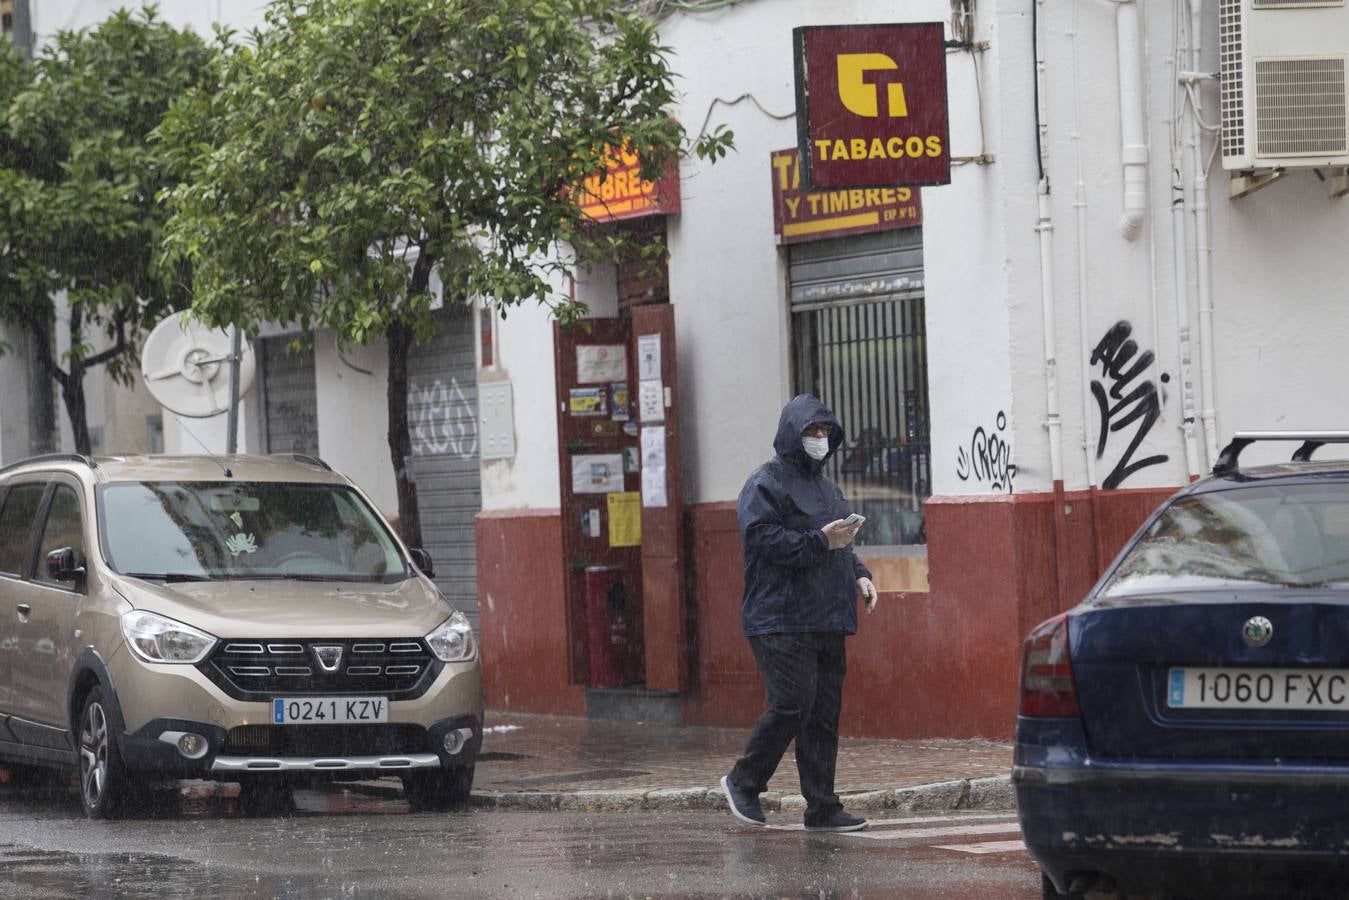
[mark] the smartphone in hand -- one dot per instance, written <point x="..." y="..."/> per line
<point x="855" y="520"/>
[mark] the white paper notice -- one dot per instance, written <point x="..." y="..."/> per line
<point x="601" y="362"/>
<point x="648" y="357"/>
<point x="653" y="466"/>
<point x="651" y="402"/>
<point x="600" y="473"/>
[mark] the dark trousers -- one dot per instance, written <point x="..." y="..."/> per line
<point x="803" y="674"/>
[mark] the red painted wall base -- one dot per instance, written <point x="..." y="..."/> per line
<point x="522" y="625"/>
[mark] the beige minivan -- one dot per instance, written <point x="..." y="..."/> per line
<point x="248" y="619"/>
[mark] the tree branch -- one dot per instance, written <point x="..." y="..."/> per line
<point x="117" y="349"/>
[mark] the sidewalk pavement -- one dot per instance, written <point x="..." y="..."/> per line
<point x="554" y="762"/>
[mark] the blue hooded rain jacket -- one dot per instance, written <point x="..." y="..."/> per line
<point x="793" y="581"/>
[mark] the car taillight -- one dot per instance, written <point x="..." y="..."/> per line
<point x="1047" y="672"/>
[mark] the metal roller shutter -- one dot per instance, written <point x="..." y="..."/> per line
<point x="443" y="421"/>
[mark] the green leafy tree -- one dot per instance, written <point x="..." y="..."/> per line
<point x="78" y="188"/>
<point x="361" y="145"/>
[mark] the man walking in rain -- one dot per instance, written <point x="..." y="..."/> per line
<point x="802" y="580"/>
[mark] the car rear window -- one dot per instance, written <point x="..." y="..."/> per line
<point x="1294" y="536"/>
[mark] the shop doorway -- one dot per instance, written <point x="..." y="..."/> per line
<point x="622" y="508"/>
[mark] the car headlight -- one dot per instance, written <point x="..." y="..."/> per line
<point x="452" y="641"/>
<point x="158" y="639"/>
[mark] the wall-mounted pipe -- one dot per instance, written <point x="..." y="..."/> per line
<point x="1045" y="228"/>
<point x="1183" y="135"/>
<point x="1203" y="252"/>
<point x="1134" y="149"/>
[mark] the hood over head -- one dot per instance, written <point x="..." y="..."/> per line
<point x="800" y="411"/>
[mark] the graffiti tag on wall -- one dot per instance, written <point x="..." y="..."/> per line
<point x="442" y="421"/>
<point x="989" y="458"/>
<point x="1125" y="398"/>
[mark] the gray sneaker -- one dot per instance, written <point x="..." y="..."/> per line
<point x="839" y="821"/>
<point x="744" y="807"/>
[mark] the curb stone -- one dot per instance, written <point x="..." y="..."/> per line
<point x="992" y="794"/>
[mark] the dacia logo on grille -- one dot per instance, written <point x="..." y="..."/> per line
<point x="329" y="658"/>
<point x="1257" y="631"/>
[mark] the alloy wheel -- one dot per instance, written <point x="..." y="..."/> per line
<point x="93" y="755"/>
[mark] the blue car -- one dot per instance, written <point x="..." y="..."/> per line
<point x="1185" y="729"/>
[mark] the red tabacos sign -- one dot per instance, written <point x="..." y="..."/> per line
<point x="871" y="105"/>
<point x="622" y="193"/>
<point x="801" y="215"/>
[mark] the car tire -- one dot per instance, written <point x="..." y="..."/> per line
<point x="1052" y="893"/>
<point x="438" y="790"/>
<point x="104" y="783"/>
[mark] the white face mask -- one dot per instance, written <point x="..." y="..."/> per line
<point x="816" y="447"/>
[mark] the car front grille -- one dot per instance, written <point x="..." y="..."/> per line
<point x="325" y="740"/>
<point x="249" y="669"/>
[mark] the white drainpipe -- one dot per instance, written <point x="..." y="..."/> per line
<point x="1045" y="227"/>
<point x="1134" y="152"/>
<point x="1203" y="252"/>
<point x="1184" y="131"/>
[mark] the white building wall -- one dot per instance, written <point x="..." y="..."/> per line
<point x="1276" y="269"/>
<point x="727" y="275"/>
<point x="351" y="387"/>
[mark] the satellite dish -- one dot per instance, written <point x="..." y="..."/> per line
<point x="185" y="365"/>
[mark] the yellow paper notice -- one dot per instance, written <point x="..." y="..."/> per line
<point x="625" y="519"/>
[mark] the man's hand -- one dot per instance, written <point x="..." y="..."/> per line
<point x="868" y="592"/>
<point x="839" y="534"/>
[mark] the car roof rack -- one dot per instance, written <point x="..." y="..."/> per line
<point x="51" y="458"/>
<point x="315" y="461"/>
<point x="1311" y="442"/>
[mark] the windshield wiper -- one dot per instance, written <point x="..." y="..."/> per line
<point x="308" y="576"/>
<point x="168" y="577"/>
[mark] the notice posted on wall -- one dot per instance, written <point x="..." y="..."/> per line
<point x="625" y="519"/>
<point x="601" y="362"/>
<point x="648" y="357"/>
<point x="587" y="401"/>
<point x="598" y="473"/>
<point x="590" y="523"/>
<point x="651" y="401"/>
<point x="653" y="466"/>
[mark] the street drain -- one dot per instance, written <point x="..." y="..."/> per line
<point x="572" y="777"/>
<point x="502" y="756"/>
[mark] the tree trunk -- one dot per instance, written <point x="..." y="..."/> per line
<point x="399" y="340"/>
<point x="73" y="393"/>
<point x="43" y="435"/>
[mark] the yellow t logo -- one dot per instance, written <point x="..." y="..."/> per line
<point x="862" y="98"/>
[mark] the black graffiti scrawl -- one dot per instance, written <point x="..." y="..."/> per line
<point x="1125" y="397"/>
<point x="989" y="458"/>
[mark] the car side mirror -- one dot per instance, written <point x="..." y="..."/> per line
<point x="61" y="565"/>
<point x="422" y="560"/>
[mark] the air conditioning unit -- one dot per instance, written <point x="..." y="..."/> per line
<point x="1282" y="69"/>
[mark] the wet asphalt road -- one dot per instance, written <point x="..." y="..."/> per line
<point x="342" y="843"/>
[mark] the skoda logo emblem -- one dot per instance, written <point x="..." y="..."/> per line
<point x="329" y="658"/>
<point x="1257" y="631"/>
